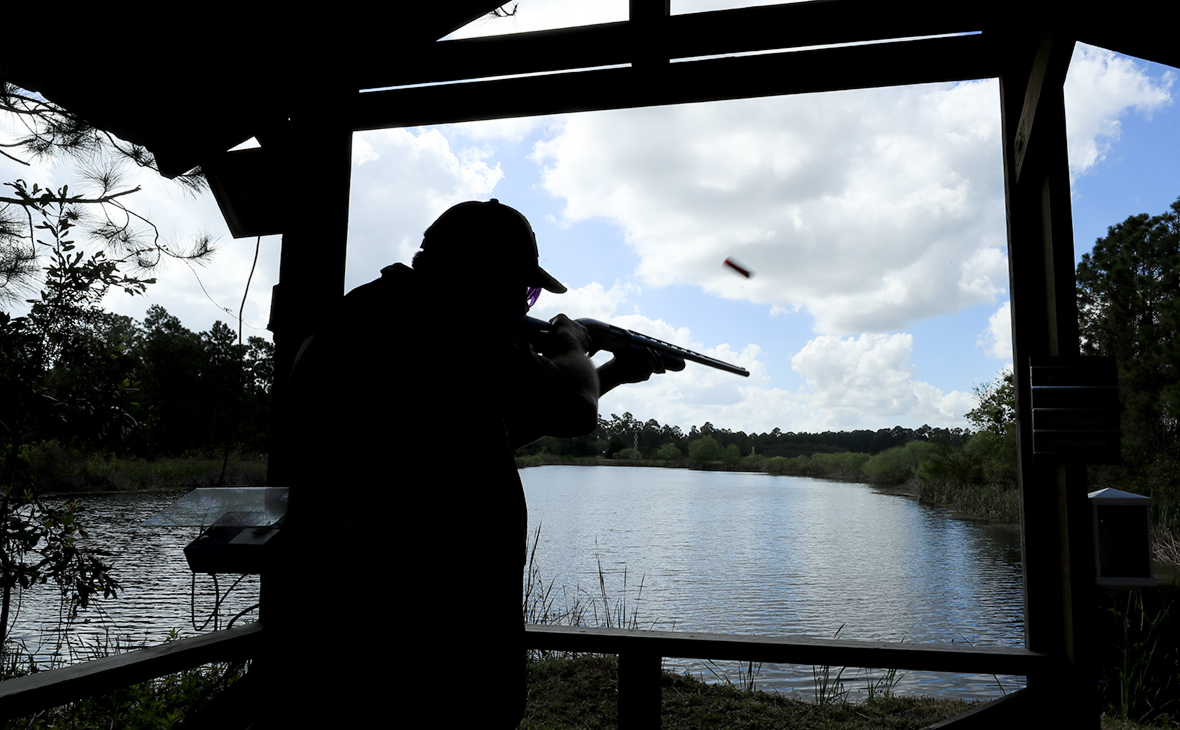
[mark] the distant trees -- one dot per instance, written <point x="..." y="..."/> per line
<point x="201" y="390"/>
<point x="1129" y="308"/>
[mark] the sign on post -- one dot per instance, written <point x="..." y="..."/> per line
<point x="1075" y="405"/>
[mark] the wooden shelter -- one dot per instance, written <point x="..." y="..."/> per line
<point x="211" y="83"/>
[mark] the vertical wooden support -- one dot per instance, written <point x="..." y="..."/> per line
<point x="648" y="21"/>
<point x="1056" y="534"/>
<point x="639" y="691"/>
<point x="317" y="162"/>
<point x="316" y="154"/>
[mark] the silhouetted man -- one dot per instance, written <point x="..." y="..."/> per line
<point x="408" y="522"/>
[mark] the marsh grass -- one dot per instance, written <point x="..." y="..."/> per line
<point x="996" y="503"/>
<point x="1141" y="658"/>
<point x="56" y="468"/>
<point x="545" y="604"/>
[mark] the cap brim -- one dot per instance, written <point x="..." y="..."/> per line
<point x="548" y="283"/>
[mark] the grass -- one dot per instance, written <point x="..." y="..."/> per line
<point x="54" y="468"/>
<point x="992" y="502"/>
<point x="582" y="692"/>
<point x="159" y="704"/>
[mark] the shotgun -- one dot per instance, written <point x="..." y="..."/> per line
<point x="608" y="337"/>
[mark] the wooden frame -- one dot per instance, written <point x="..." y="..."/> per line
<point x="1027" y="46"/>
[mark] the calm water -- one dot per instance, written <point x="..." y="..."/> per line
<point x="158" y="595"/>
<point x="714" y="551"/>
<point x="757" y="554"/>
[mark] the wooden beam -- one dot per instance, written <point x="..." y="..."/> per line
<point x="314" y="248"/>
<point x="1012" y="708"/>
<point x="36" y="692"/>
<point x="640" y="679"/>
<point x="722" y="32"/>
<point x="856" y="67"/>
<point x="790" y="650"/>
<point x="1057" y="541"/>
<point x="1142" y="28"/>
<point x="1047" y="74"/>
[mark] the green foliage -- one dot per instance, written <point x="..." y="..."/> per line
<point x="101" y="211"/>
<point x="898" y="465"/>
<point x="41" y="543"/>
<point x="1128" y="298"/>
<point x="1129" y="308"/>
<point x="704" y="449"/>
<point x="1140" y="658"/>
<point x="994" y="456"/>
<point x="670" y="452"/>
<point x="158" y="704"/>
<point x="995" y="409"/>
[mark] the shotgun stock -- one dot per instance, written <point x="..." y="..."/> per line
<point x="614" y="339"/>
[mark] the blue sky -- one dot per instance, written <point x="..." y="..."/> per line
<point x="873" y="222"/>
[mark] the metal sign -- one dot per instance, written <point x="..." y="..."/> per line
<point x="1075" y="407"/>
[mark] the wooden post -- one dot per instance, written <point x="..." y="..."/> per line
<point x="1056" y="533"/>
<point x="639" y="691"/>
<point x="316" y="152"/>
<point x="317" y="162"/>
<point x="649" y="44"/>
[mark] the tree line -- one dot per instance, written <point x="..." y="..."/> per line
<point x="626" y="437"/>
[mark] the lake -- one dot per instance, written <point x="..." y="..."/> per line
<point x="746" y="553"/>
<point x="721" y="552"/>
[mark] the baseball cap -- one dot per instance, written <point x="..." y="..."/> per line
<point x="492" y="235"/>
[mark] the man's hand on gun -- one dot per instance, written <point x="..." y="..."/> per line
<point x="629" y="365"/>
<point x="633" y="365"/>
<point x="566" y="336"/>
<point x="551" y="337"/>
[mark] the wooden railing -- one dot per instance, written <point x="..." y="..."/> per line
<point x="640" y="655"/>
<point x="40" y="691"/>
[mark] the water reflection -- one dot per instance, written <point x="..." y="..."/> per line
<point x="158" y="596"/>
<point x="755" y="554"/>
<point x="716" y="552"/>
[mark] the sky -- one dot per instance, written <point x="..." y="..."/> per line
<point x="872" y="220"/>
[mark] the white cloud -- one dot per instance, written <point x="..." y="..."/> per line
<point x="869" y="209"/>
<point x="997" y="338"/>
<point x="869" y="379"/>
<point x="593" y="300"/>
<point x="403" y="179"/>
<point x="865" y="208"/>
<point x="864" y="382"/>
<point x="1100" y="89"/>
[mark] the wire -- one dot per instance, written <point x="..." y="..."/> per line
<point x="241" y="613"/>
<point x="257" y="245"/>
<point x="218" y="600"/>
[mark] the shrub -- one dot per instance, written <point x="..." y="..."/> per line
<point x="897" y="465"/>
<point x="670" y="452"/>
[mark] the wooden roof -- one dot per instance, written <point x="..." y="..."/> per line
<point x="195" y="87"/>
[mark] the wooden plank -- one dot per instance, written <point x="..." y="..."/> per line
<point x="790" y="650"/>
<point x="640" y="677"/>
<point x="1057" y="541"/>
<point x="1049" y="66"/>
<point x="887" y="64"/>
<point x="1011" y="708"/>
<point x="740" y="30"/>
<point x="35" y="692"/>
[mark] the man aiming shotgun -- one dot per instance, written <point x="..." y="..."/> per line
<point x="614" y="339"/>
<point x="408" y="482"/>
